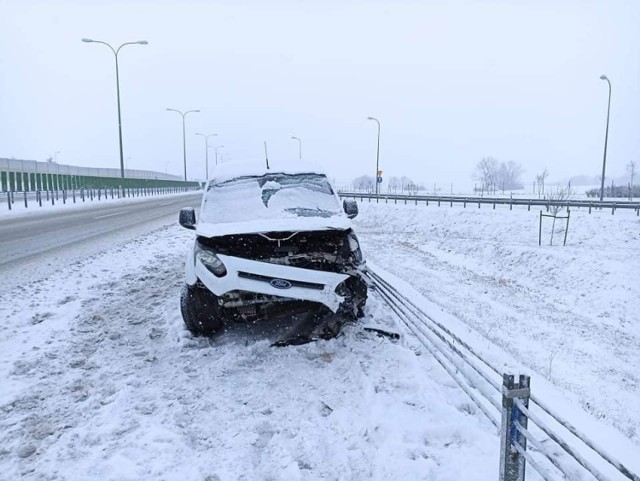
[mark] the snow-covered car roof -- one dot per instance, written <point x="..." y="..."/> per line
<point x="249" y="198"/>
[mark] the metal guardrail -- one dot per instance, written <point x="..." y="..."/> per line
<point x="53" y="197"/>
<point x="450" y="199"/>
<point x="507" y="404"/>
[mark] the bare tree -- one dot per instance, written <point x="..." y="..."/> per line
<point x="486" y="172"/>
<point x="561" y="194"/>
<point x="509" y="175"/>
<point x="364" y="182"/>
<point x="393" y="184"/>
<point x="631" y="168"/>
<point x="540" y="178"/>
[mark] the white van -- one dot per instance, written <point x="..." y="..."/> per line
<point x="272" y="244"/>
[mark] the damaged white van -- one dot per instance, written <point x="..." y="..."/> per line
<point x="272" y="244"/>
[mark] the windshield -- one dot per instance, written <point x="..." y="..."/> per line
<point x="270" y="196"/>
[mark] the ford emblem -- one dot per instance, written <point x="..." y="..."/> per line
<point x="280" y="283"/>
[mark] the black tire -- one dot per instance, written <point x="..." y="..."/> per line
<point x="200" y="311"/>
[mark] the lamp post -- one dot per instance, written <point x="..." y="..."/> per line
<point x="206" y="152"/>
<point x="606" y="138"/>
<point x="377" y="154"/>
<point x="216" y="149"/>
<point x="115" y="53"/>
<point x="299" y="147"/>
<point x="184" y="137"/>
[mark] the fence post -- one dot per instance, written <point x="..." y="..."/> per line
<point x="540" y="231"/>
<point x="512" y="461"/>
<point x="9" y="200"/>
<point x="39" y="196"/>
<point x="24" y="193"/>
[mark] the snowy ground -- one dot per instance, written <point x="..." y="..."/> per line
<point x="570" y="314"/>
<point x="100" y="381"/>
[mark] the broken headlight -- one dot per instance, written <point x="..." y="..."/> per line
<point x="211" y="261"/>
<point x="354" y="247"/>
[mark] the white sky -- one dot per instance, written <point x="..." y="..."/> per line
<point x="450" y="81"/>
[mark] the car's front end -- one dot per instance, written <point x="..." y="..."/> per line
<point x="263" y="264"/>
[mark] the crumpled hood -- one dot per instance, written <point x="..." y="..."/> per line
<point x="298" y="224"/>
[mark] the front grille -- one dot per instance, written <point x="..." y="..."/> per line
<point x="260" y="277"/>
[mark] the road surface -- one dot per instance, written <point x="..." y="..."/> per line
<point x="37" y="245"/>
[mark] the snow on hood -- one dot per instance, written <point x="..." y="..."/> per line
<point x="245" y="198"/>
<point x="254" y="227"/>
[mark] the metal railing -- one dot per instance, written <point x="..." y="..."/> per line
<point x="523" y="419"/>
<point x="53" y="197"/>
<point x="464" y="200"/>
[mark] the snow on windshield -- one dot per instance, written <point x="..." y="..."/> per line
<point x="270" y="196"/>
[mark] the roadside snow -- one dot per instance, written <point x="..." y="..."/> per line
<point x="570" y="314"/>
<point x="100" y="381"/>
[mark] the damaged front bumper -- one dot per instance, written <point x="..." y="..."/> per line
<point x="266" y="279"/>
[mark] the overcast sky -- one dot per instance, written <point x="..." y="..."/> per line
<point x="450" y="81"/>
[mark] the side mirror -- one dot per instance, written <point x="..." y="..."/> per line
<point x="187" y="218"/>
<point x="350" y="208"/>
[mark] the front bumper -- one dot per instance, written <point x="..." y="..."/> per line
<point x="255" y="276"/>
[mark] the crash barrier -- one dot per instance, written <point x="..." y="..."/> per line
<point x="546" y="203"/>
<point x="523" y="419"/>
<point x="39" y="197"/>
<point x="11" y="181"/>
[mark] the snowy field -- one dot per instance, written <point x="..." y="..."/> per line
<point x="100" y="381"/>
<point x="570" y="314"/>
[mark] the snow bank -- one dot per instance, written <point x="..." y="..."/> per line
<point x="569" y="314"/>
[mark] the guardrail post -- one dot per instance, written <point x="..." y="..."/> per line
<point x="512" y="461"/>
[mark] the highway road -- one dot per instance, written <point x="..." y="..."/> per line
<point x="33" y="246"/>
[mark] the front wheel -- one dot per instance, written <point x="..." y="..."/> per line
<point x="200" y="311"/>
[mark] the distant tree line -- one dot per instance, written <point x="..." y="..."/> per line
<point x="494" y="175"/>
<point x="619" y="191"/>
<point x="394" y="185"/>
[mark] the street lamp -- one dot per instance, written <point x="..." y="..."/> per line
<point x="216" y="149"/>
<point x="377" y="153"/>
<point x="184" y="138"/>
<point x="206" y="152"/>
<point x="606" y="138"/>
<point x="299" y="147"/>
<point x="115" y="53"/>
